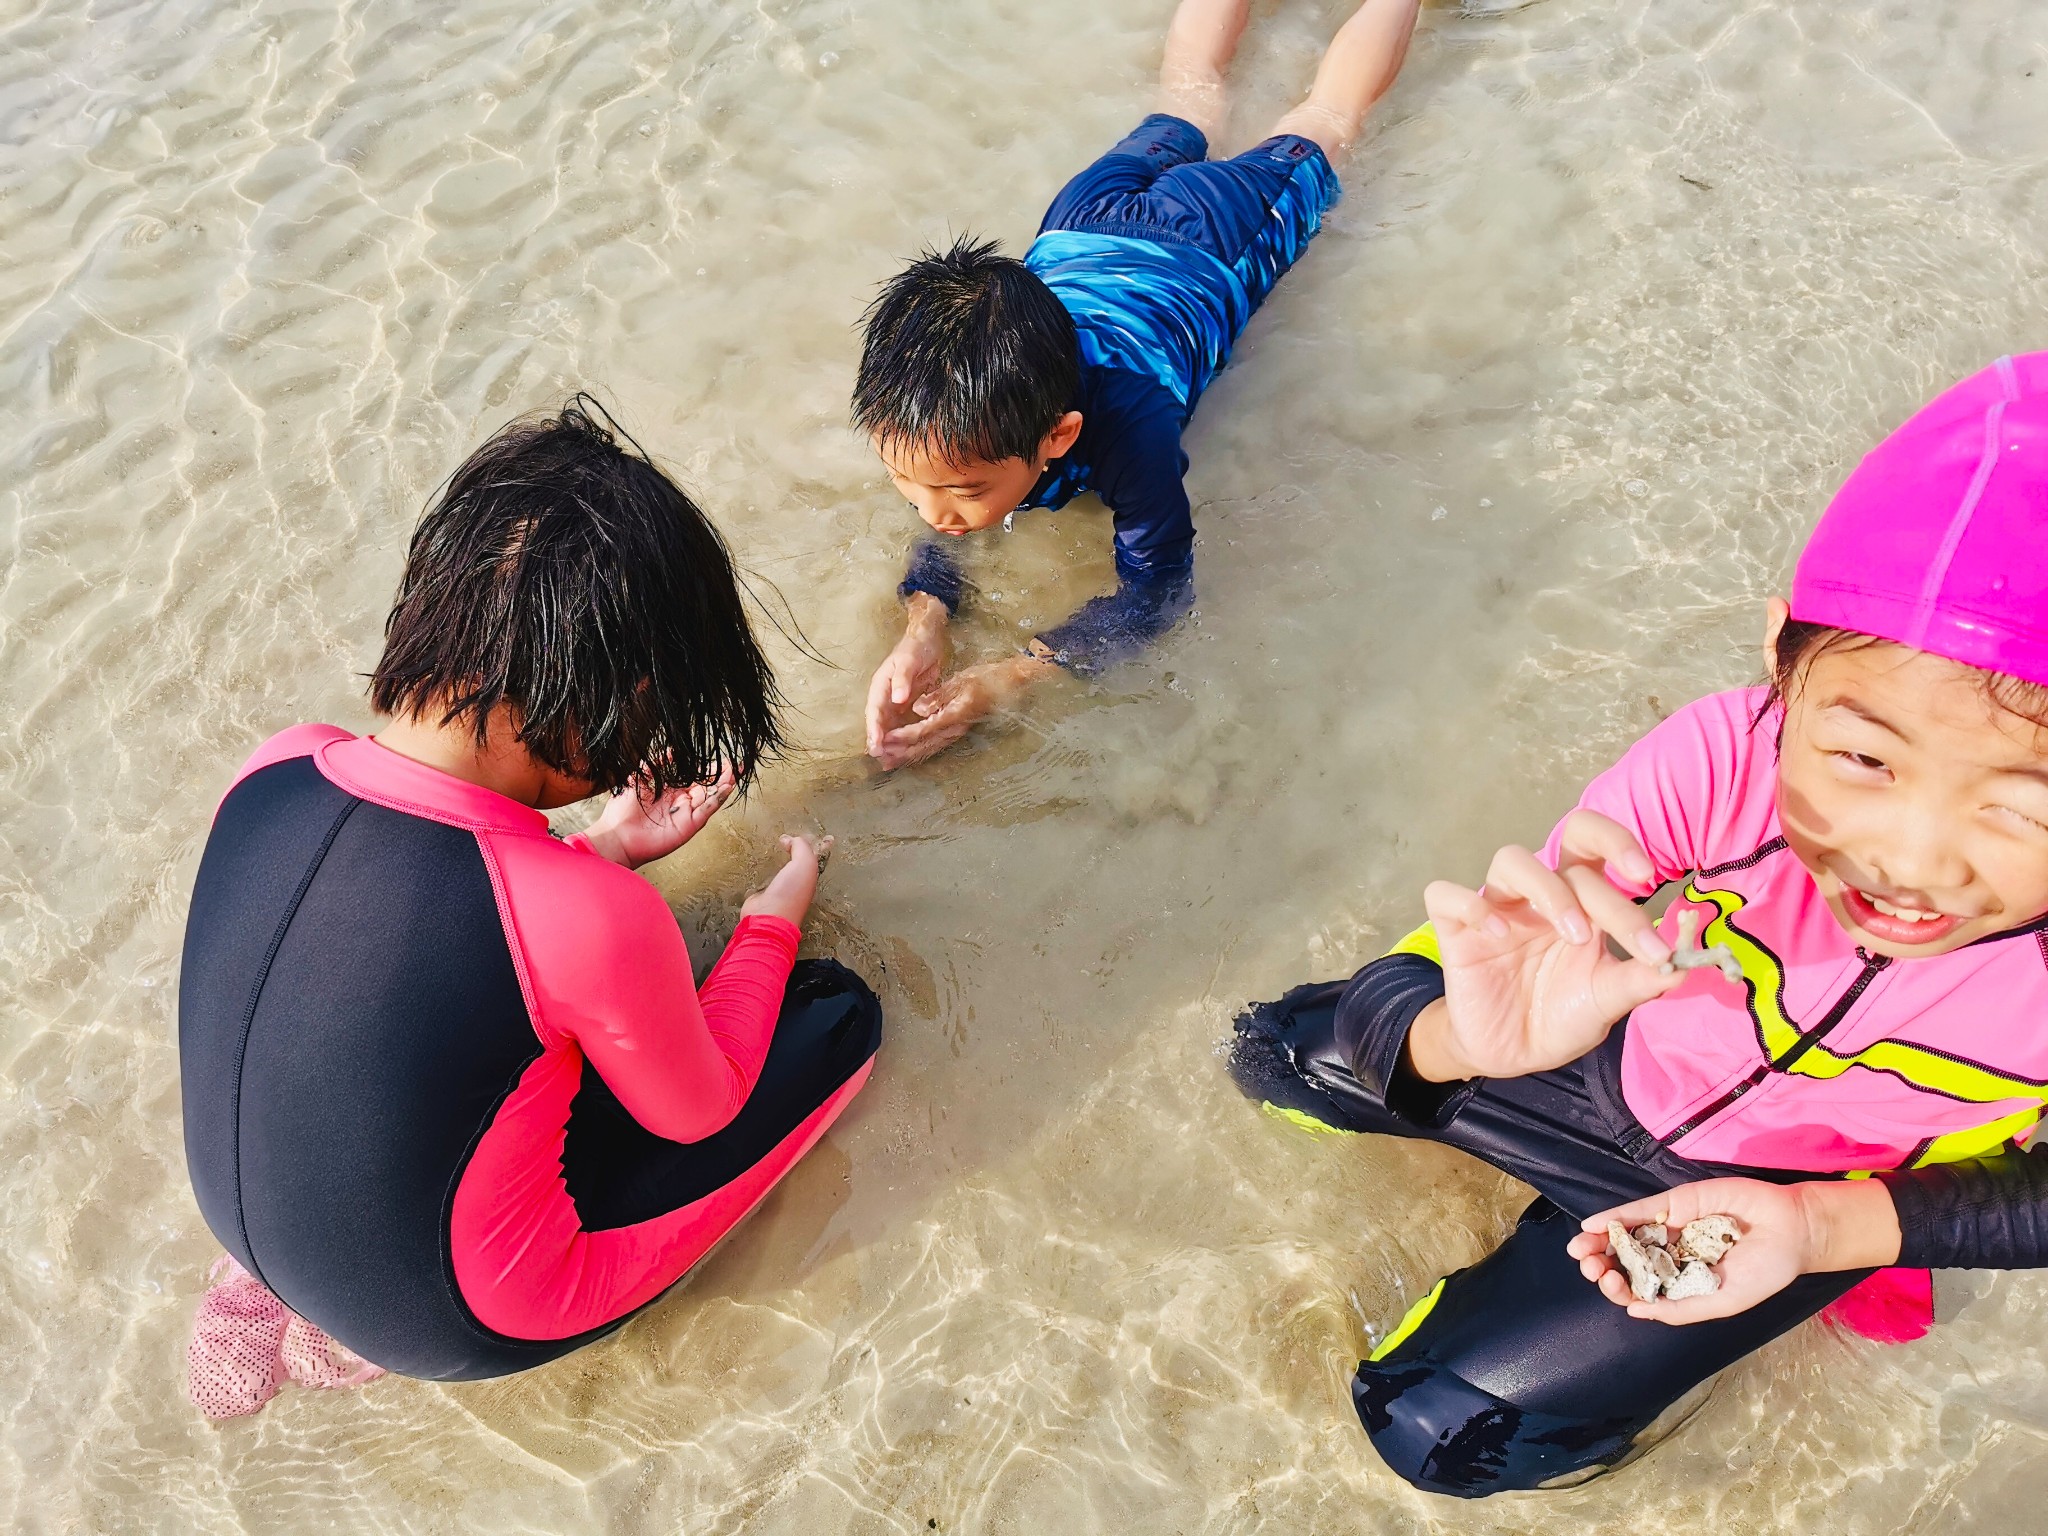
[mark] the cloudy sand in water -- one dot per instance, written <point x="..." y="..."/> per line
<point x="1618" y="290"/>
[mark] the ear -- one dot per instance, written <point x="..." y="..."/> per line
<point x="1776" y="612"/>
<point x="1062" y="436"/>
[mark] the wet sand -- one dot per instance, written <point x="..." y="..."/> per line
<point x="1503" y="472"/>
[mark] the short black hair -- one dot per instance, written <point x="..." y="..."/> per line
<point x="967" y="355"/>
<point x="1801" y="644"/>
<point x="562" y="573"/>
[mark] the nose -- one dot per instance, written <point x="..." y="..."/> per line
<point x="1917" y="850"/>
<point x="938" y="512"/>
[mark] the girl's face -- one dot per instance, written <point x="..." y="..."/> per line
<point x="1918" y="805"/>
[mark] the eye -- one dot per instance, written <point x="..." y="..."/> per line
<point x="1862" y="760"/>
<point x="2030" y="823"/>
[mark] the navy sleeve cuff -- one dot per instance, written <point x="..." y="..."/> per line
<point x="934" y="570"/>
<point x="1986" y="1213"/>
<point x="1373" y="1020"/>
<point x="1107" y="630"/>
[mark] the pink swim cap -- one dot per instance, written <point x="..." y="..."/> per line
<point x="1939" y="540"/>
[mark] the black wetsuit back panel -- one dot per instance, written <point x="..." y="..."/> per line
<point x="349" y="1019"/>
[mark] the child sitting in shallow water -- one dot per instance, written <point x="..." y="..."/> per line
<point x="450" y="1093"/>
<point x="1869" y="838"/>
<point x="989" y="385"/>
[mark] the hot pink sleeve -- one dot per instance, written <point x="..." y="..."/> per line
<point x="294" y="741"/>
<point x="742" y="996"/>
<point x="603" y="964"/>
<point x="1698" y="790"/>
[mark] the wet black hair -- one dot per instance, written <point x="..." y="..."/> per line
<point x="1801" y="644"/>
<point x="560" y="572"/>
<point x="967" y="355"/>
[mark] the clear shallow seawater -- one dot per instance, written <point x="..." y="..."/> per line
<point x="1618" y="290"/>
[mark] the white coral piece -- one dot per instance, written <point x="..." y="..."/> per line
<point x="1708" y="1238"/>
<point x="1634" y="1259"/>
<point x="1662" y="1265"/>
<point x="1654" y="1269"/>
<point x="1692" y="1279"/>
<point x="1686" y="957"/>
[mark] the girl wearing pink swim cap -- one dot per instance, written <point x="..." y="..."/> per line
<point x="1868" y="838"/>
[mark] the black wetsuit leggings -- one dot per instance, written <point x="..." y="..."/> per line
<point x="1518" y="1372"/>
<point x="619" y="1173"/>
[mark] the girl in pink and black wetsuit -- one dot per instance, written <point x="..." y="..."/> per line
<point x="449" y="1090"/>
<point x="1869" y="838"/>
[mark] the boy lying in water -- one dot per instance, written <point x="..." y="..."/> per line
<point x="989" y="384"/>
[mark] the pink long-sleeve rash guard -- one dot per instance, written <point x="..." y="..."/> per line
<point x="1824" y="1056"/>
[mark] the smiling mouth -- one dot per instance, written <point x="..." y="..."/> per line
<point x="1896" y="924"/>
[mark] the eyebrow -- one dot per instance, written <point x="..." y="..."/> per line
<point x="1864" y="712"/>
<point x="942" y="485"/>
<point x="2038" y="774"/>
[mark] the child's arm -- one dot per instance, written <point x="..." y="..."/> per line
<point x="1106" y="630"/>
<point x="1142" y="478"/>
<point x="934" y="572"/>
<point x="1529" y="984"/>
<point x="1819" y="1226"/>
<point x="601" y="962"/>
<point x="931" y="591"/>
<point x="1985" y="1213"/>
<point x="908" y="673"/>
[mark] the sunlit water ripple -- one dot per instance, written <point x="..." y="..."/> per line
<point x="1618" y="290"/>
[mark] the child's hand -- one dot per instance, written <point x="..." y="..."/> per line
<point x="1528" y="981"/>
<point x="1787" y="1230"/>
<point x="939" y="717"/>
<point x="632" y="831"/>
<point x="908" y="672"/>
<point x="788" y="895"/>
<point x="949" y="711"/>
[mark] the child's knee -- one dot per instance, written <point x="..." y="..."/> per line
<point x="1441" y="1431"/>
<point x="1257" y="1054"/>
<point x="1441" y="1434"/>
<point x="838" y="1003"/>
<point x="1268" y="1040"/>
<point x="1287" y="1056"/>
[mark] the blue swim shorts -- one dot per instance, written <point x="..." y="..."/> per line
<point x="1215" y="235"/>
<point x="1255" y="212"/>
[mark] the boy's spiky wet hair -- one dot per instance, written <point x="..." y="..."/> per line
<point x="560" y="572"/>
<point x="968" y="356"/>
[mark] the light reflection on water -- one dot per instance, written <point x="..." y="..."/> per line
<point x="1503" y="471"/>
